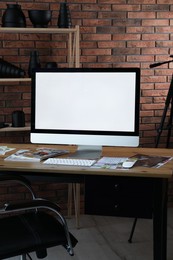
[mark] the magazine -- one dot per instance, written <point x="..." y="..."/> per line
<point x="5" y="149"/>
<point x="150" y="160"/>
<point x="35" y="155"/>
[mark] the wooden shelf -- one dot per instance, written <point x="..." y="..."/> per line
<point x="73" y="54"/>
<point x="16" y="129"/>
<point x="73" y="42"/>
<point x="38" y="30"/>
<point x="15" y="79"/>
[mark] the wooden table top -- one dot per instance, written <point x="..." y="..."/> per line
<point x="165" y="171"/>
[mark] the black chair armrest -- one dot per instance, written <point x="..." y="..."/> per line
<point x="44" y="204"/>
<point x="19" y="179"/>
<point x="31" y="204"/>
<point x="34" y="204"/>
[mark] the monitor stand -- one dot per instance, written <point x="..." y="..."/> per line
<point x="87" y="152"/>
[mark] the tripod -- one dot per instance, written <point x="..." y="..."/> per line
<point x="168" y="103"/>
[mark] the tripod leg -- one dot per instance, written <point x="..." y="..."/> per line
<point x="167" y="103"/>
<point x="170" y="125"/>
<point x="160" y="128"/>
<point x="132" y="231"/>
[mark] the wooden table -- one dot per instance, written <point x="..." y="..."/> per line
<point x="159" y="178"/>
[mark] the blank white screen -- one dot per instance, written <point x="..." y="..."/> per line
<point x="85" y="101"/>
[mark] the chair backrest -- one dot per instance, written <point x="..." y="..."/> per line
<point x="36" y="225"/>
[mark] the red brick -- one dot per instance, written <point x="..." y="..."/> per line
<point x="141" y="15"/>
<point x="126" y="37"/>
<point x="141" y="29"/>
<point x="155" y="51"/>
<point x="154" y="93"/>
<point x="96" y="22"/>
<point x="141" y="44"/>
<point x="126" y="7"/>
<point x="88" y="59"/>
<point x="155" y="22"/>
<point x="167" y="15"/>
<point x="96" y="52"/>
<point x="143" y="2"/>
<point x="111" y="44"/>
<point x="96" y="37"/>
<point x="112" y="2"/>
<point x="163" y="37"/>
<point x="96" y="7"/>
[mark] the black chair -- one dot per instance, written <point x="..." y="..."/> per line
<point x="33" y="225"/>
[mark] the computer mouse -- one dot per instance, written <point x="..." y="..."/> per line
<point x="128" y="164"/>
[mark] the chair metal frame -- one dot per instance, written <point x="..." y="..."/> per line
<point x="34" y="204"/>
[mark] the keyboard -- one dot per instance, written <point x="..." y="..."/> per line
<point x="70" y="162"/>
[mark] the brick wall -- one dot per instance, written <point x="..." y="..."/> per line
<point x="121" y="33"/>
<point x="113" y="33"/>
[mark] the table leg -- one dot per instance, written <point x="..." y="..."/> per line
<point x="160" y="219"/>
<point x="69" y="204"/>
<point x="74" y="192"/>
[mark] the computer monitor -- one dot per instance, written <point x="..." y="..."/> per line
<point x="85" y="106"/>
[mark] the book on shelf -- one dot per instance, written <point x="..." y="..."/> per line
<point x="35" y="155"/>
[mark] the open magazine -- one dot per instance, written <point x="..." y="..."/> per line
<point x="150" y="160"/>
<point x="35" y="155"/>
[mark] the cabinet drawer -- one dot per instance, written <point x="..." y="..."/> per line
<point x="118" y="196"/>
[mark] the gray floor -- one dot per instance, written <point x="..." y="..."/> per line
<point x="105" y="238"/>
